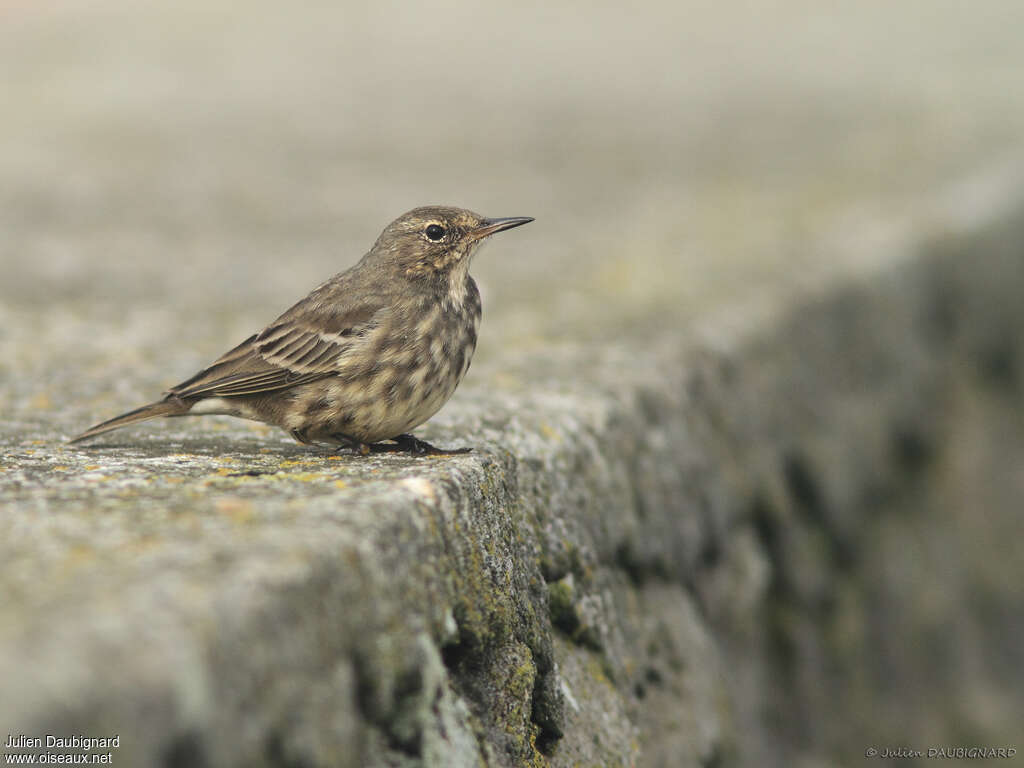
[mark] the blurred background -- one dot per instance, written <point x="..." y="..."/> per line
<point x="175" y="174"/>
<point x="159" y="160"/>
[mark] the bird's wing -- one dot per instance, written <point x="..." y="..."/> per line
<point x="292" y="351"/>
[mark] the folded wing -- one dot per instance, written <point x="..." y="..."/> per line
<point x="283" y="355"/>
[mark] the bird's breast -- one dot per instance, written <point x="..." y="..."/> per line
<point x="418" y="359"/>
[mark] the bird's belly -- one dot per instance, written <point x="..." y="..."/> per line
<point x="392" y="398"/>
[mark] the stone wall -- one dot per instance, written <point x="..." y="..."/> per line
<point x="792" y="538"/>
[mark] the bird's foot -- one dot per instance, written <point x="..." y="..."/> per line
<point x="344" y="441"/>
<point x="414" y="446"/>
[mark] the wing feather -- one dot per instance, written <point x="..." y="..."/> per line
<point x="290" y="352"/>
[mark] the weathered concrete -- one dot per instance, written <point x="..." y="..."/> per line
<point x="747" y="425"/>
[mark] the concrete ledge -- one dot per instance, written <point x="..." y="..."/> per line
<point x="788" y="532"/>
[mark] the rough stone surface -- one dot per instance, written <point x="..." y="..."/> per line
<point x="747" y="417"/>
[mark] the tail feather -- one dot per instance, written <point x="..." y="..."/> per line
<point x="151" y="411"/>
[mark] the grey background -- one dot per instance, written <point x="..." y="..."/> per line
<point x="176" y="174"/>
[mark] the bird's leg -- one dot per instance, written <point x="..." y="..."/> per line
<point x="409" y="444"/>
<point x="344" y="441"/>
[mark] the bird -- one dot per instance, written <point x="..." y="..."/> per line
<point x="367" y="356"/>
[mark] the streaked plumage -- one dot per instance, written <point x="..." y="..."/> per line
<point x="369" y="355"/>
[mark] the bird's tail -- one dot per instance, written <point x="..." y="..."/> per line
<point x="151" y="411"/>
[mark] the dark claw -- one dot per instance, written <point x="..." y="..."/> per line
<point x="415" y="446"/>
<point x="344" y="441"/>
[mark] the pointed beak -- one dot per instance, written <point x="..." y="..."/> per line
<point x="490" y="226"/>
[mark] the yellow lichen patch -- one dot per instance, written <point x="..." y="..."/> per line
<point x="77" y="556"/>
<point x="340" y="484"/>
<point x="506" y="381"/>
<point x="550" y="432"/>
<point x="307" y="477"/>
<point x="599" y="672"/>
<point x="60" y="468"/>
<point x="239" y="510"/>
<point x="91" y="467"/>
<point x="298" y="463"/>
<point x="224" y="471"/>
<point x="41" y="402"/>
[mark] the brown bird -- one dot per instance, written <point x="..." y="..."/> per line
<point x="368" y="356"/>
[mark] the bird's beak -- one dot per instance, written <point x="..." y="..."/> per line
<point x="490" y="226"/>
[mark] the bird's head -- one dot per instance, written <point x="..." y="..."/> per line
<point x="435" y="240"/>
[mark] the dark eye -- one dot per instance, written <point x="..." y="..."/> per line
<point x="435" y="232"/>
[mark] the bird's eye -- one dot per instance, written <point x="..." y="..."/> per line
<point x="435" y="232"/>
